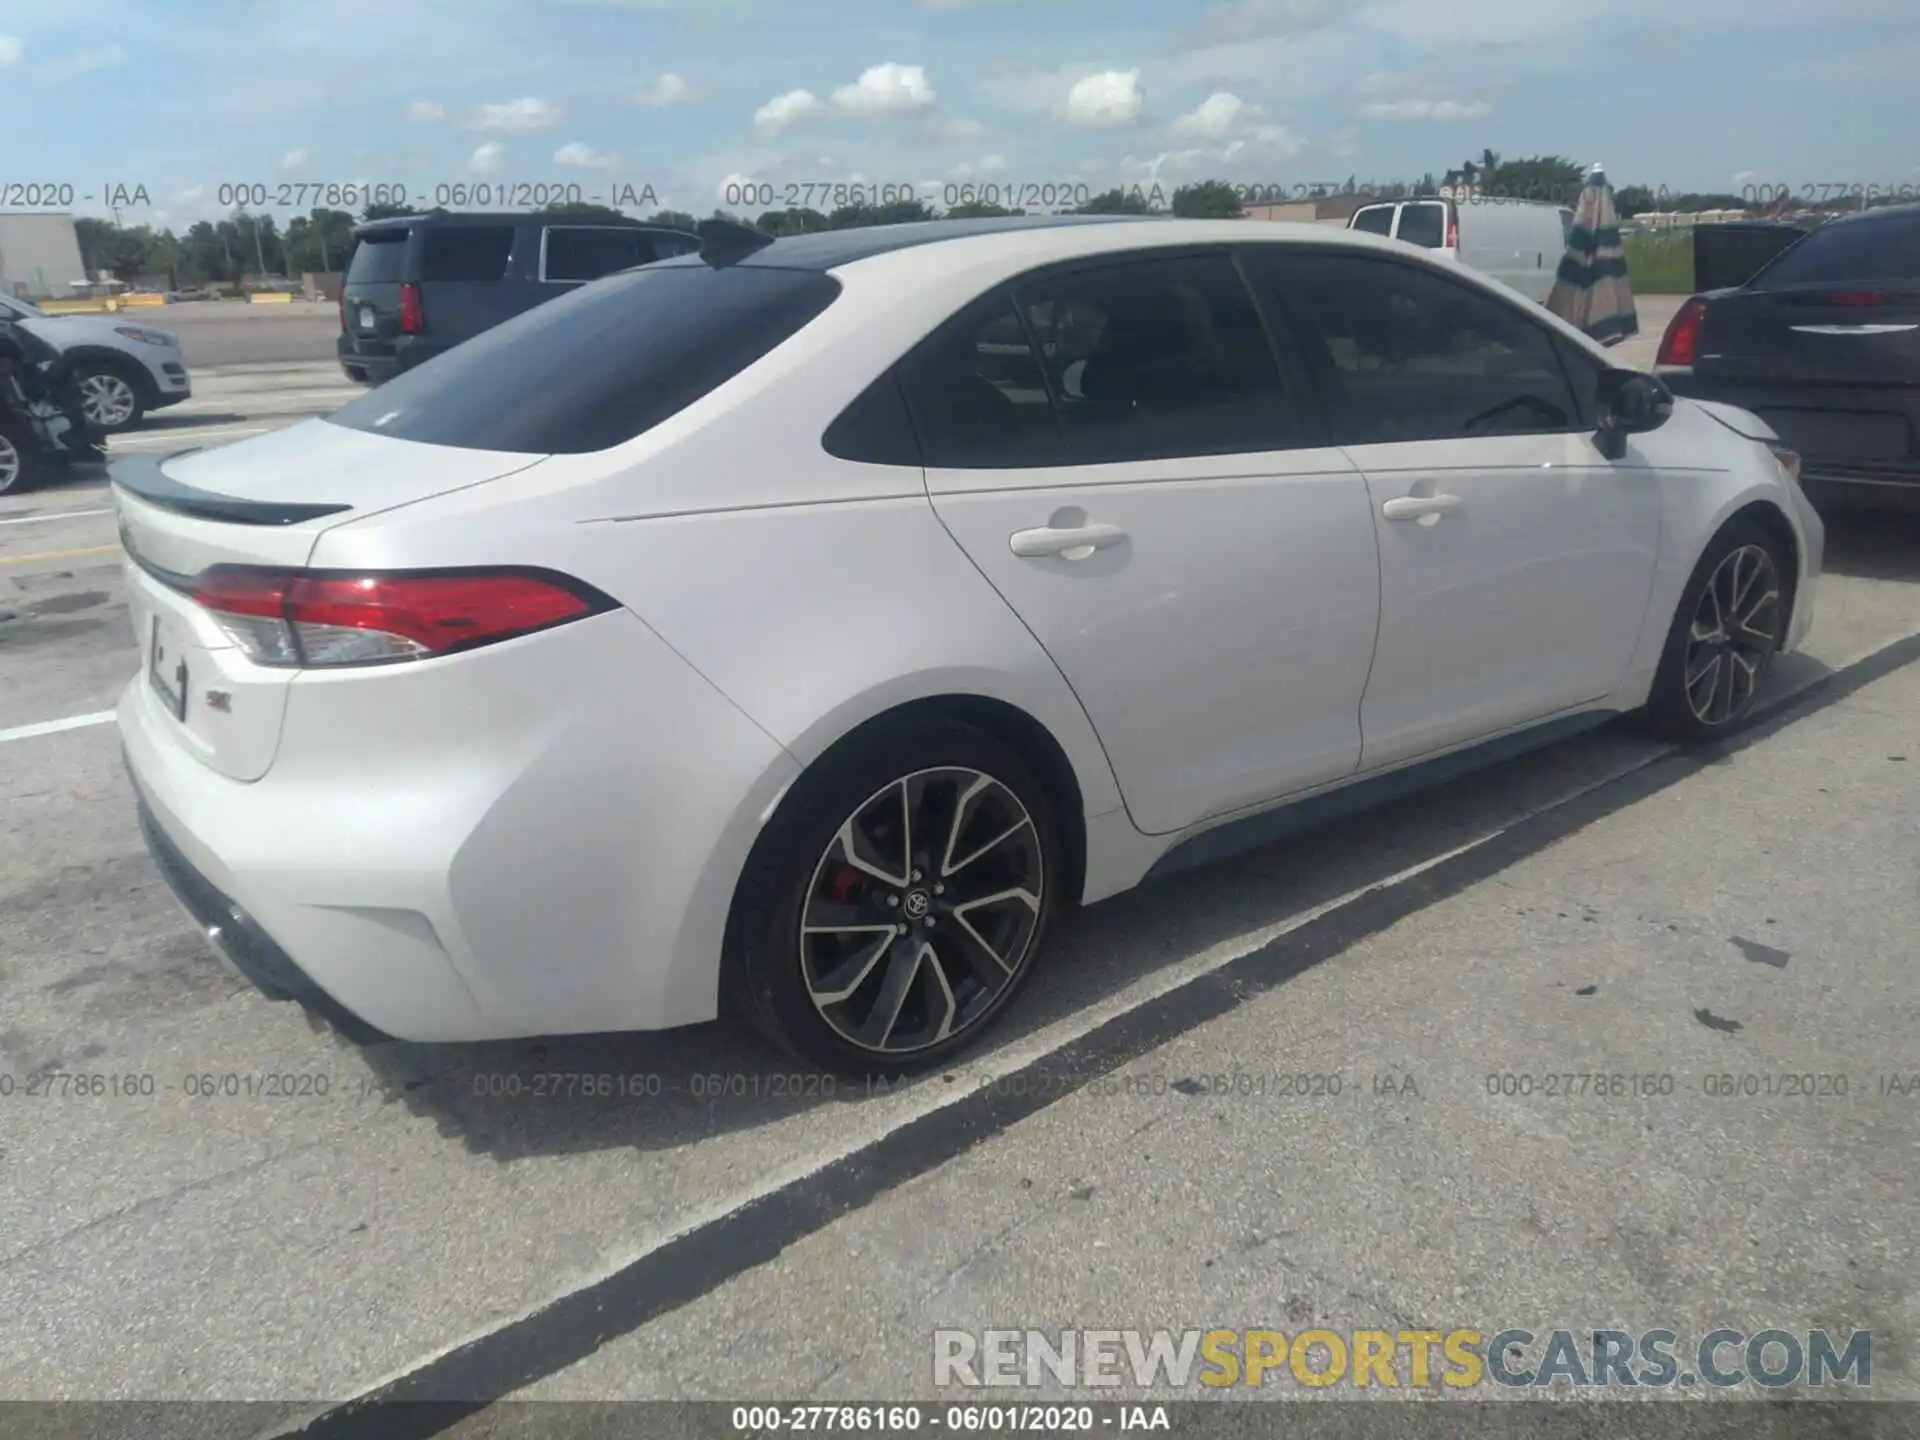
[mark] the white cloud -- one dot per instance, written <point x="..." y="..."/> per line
<point x="581" y="156"/>
<point x="887" y="89"/>
<point x="10" y="50"/>
<point x="1242" y="20"/>
<point x="732" y="187"/>
<point x="293" y="159"/>
<point x="956" y="130"/>
<point x="783" y="110"/>
<point x="57" y="72"/>
<point x="486" y="160"/>
<point x="1215" y="118"/>
<point x="1746" y="177"/>
<point x="987" y="165"/>
<point x="425" y="112"/>
<point x="1438" y="111"/>
<point x="959" y="4"/>
<point x="669" y="89"/>
<point x="518" y="116"/>
<point x="1105" y="100"/>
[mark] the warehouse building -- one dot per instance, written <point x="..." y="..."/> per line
<point x="39" y="254"/>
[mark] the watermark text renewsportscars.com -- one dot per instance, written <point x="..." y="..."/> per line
<point x="1454" y="1358"/>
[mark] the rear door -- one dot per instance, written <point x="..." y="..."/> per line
<point x="466" y="283"/>
<point x="1115" y="447"/>
<point x="1423" y="223"/>
<point x="1824" y="344"/>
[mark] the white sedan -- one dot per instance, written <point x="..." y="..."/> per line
<point x="799" y="627"/>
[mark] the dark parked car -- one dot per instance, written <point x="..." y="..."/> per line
<point x="1824" y="345"/>
<point x="420" y="284"/>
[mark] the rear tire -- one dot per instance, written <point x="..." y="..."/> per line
<point x="1726" y="632"/>
<point x="21" y="464"/>
<point x="887" y="958"/>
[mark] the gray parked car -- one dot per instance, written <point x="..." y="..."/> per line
<point x="123" y="369"/>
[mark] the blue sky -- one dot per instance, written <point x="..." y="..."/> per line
<point x="181" y="96"/>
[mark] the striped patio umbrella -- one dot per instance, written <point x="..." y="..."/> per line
<point x="1592" y="290"/>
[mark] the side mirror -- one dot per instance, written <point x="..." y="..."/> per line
<point x="1629" y="403"/>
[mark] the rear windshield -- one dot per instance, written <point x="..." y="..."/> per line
<point x="1375" y="219"/>
<point x="379" y="259"/>
<point x="1875" y="249"/>
<point x="1423" y="225"/>
<point x="598" y="366"/>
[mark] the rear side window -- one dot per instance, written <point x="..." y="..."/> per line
<point x="466" y="253"/>
<point x="379" y="259"/>
<point x="1423" y="224"/>
<point x="1879" y="248"/>
<point x="587" y="253"/>
<point x="599" y="366"/>
<point x="1374" y="219"/>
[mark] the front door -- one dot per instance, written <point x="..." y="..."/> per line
<point x="1114" y="447"/>
<point x="1516" y="560"/>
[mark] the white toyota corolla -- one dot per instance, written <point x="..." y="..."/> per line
<point x="798" y="627"/>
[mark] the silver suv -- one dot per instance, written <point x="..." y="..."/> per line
<point x="124" y="369"/>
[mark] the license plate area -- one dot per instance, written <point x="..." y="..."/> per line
<point x="1842" y="435"/>
<point x="369" y="319"/>
<point x="167" y="671"/>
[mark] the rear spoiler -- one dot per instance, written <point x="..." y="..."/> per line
<point x="145" y="477"/>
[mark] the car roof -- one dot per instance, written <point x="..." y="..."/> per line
<point x="506" y="217"/>
<point x="1882" y="212"/>
<point x="831" y="249"/>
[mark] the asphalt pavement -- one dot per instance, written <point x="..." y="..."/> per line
<point x="231" y="332"/>
<point x="250" y="1209"/>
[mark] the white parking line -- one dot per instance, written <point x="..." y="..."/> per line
<point x="54" y="727"/>
<point x="57" y="515"/>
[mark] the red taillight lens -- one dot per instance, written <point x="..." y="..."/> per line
<point x="343" y="310"/>
<point x="1453" y="233"/>
<point x="1855" y="297"/>
<point x="412" y="318"/>
<point x="287" y="617"/>
<point x="1682" y="341"/>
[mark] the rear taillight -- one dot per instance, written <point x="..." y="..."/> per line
<point x="1682" y="341"/>
<point x="343" y="310"/>
<point x="1453" y="233"/>
<point x="326" y="618"/>
<point x="1855" y="297"/>
<point x="412" y="318"/>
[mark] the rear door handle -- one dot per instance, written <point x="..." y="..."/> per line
<point x="1417" y="507"/>
<point x="1073" y="544"/>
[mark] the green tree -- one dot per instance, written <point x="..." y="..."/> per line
<point x="384" y="212"/>
<point x="1631" y="200"/>
<point x="979" y="210"/>
<point x="582" y="210"/>
<point x="680" y="218"/>
<point x="800" y="220"/>
<point x="1207" y="200"/>
<point x="898" y="212"/>
<point x="1117" y="202"/>
<point x="1549" y="179"/>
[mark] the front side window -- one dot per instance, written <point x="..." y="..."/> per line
<point x="1408" y="355"/>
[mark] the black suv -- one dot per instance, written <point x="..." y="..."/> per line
<point x="420" y="284"/>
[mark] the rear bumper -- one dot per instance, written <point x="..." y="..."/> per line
<point x="1850" y="479"/>
<point x="537" y="838"/>
<point x="376" y="367"/>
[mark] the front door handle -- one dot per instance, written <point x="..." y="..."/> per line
<point x="1418" y="507"/>
<point x="1076" y="543"/>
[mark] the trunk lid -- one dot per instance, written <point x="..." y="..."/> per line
<point x="370" y="291"/>
<point x="264" y="501"/>
<point x="1854" y="333"/>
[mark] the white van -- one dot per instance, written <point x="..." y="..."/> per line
<point x="1517" y="242"/>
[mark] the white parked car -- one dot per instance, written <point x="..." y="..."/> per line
<point x="763" y="629"/>
<point x="1517" y="242"/>
<point x="124" y="369"/>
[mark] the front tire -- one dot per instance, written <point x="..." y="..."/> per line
<point x="111" y="399"/>
<point x="1728" y="629"/>
<point x="894" y="907"/>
